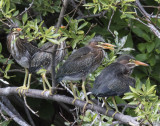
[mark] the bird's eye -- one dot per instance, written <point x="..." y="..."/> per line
<point x="131" y="60"/>
<point x="14" y="29"/>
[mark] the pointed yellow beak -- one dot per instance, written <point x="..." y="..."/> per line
<point x="63" y="27"/>
<point x="18" y="29"/>
<point x="106" y="45"/>
<point x="137" y="63"/>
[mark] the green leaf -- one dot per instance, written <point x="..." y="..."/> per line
<point x="15" y="13"/>
<point x="142" y="47"/>
<point x="141" y="57"/>
<point x="148" y="85"/>
<point x="128" y="97"/>
<point x="141" y="33"/>
<point x="7" y="68"/>
<point x="24" y="17"/>
<point x="150" y="46"/>
<point x="53" y="41"/>
<point x="82" y="26"/>
<point x="62" y="39"/>
<point x="5" y="123"/>
<point x="133" y="90"/>
<point x="7" y="6"/>
<point x="151" y="89"/>
<point x="1" y="3"/>
<point x="95" y="10"/>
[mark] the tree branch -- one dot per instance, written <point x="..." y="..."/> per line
<point x="60" y="20"/>
<point x="13" y="116"/>
<point x="150" y="25"/>
<point x="92" y="15"/>
<point x="68" y="100"/>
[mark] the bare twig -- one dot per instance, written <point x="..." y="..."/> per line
<point x="26" y="9"/>
<point x="26" y="110"/>
<point x="147" y="16"/>
<point x="110" y="24"/>
<point x="68" y="100"/>
<point x="93" y="15"/>
<point x="25" y="101"/>
<point x="5" y="23"/>
<point x="92" y="25"/>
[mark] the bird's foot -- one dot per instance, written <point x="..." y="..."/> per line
<point x="107" y="111"/>
<point x="115" y="113"/>
<point x="75" y="98"/>
<point x="87" y="102"/>
<point x="44" y="91"/>
<point x="50" y="91"/>
<point x="22" y="90"/>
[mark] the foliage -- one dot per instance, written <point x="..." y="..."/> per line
<point x="147" y="102"/>
<point x="122" y="24"/>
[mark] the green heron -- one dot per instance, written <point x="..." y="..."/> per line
<point x="82" y="62"/>
<point x="42" y="60"/>
<point x="115" y="79"/>
<point x="32" y="58"/>
<point x="21" y="51"/>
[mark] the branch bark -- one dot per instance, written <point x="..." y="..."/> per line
<point x="68" y="100"/>
<point x="13" y="116"/>
<point x="147" y="16"/>
<point x="60" y="20"/>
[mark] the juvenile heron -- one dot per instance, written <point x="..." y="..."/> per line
<point x="22" y="51"/>
<point x="82" y="62"/>
<point x="115" y="79"/>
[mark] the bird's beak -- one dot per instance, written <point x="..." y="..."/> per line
<point x="137" y="63"/>
<point x="63" y="27"/>
<point x="106" y="45"/>
<point x="18" y="29"/>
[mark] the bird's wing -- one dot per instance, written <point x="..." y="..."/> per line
<point x="112" y="82"/>
<point x="40" y="60"/>
<point x="29" y="47"/>
<point x="78" y="62"/>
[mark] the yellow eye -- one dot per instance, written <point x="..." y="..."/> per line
<point x="131" y="60"/>
<point x="14" y="29"/>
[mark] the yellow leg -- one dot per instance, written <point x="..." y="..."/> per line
<point x="74" y="94"/>
<point x="44" y="86"/>
<point x="114" y="102"/>
<point x="87" y="101"/>
<point x="24" y="87"/>
<point x="47" y="82"/>
<point x="107" y="107"/>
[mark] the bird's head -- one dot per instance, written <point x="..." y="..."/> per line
<point x="99" y="42"/>
<point x="130" y="61"/>
<point x="16" y="30"/>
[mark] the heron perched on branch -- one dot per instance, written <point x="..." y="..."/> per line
<point x="82" y="62"/>
<point x="22" y="51"/>
<point x="33" y="58"/>
<point x="115" y="79"/>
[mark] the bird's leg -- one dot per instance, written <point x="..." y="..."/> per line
<point x="44" y="86"/>
<point x="114" y="102"/>
<point x="28" y="84"/>
<point x="84" y="90"/>
<point x="74" y="93"/>
<point x="47" y="82"/>
<point x="21" y="88"/>
<point x="107" y="107"/>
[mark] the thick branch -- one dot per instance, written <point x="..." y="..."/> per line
<point x="68" y="100"/>
<point x="13" y="116"/>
